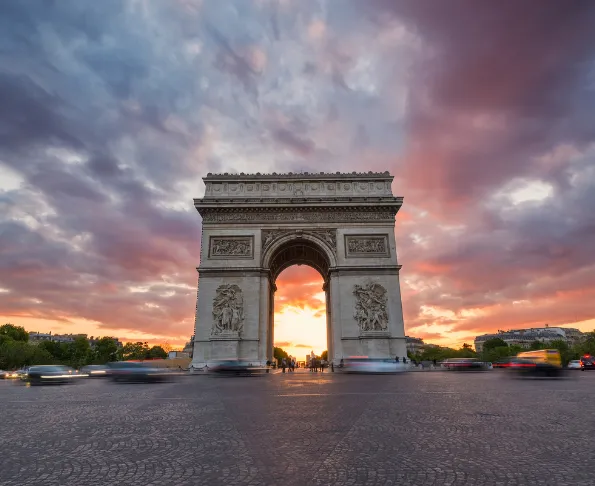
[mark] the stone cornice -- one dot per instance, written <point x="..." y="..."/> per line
<point x="296" y="203"/>
<point x="297" y="175"/>
<point x="307" y="214"/>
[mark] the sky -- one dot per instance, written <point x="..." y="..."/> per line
<point x="112" y="111"/>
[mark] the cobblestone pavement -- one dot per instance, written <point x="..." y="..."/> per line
<point x="302" y="429"/>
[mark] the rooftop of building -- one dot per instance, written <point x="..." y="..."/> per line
<point x="528" y="332"/>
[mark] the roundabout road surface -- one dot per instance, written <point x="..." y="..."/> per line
<point x="431" y="428"/>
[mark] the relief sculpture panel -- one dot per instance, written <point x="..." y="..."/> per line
<point x="329" y="236"/>
<point x="228" y="310"/>
<point x="231" y="247"/>
<point x="370" y="307"/>
<point x="357" y="246"/>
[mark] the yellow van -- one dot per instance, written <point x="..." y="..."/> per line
<point x="544" y="361"/>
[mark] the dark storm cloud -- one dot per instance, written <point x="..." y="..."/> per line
<point x="495" y="85"/>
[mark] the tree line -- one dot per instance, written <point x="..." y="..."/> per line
<point x="496" y="348"/>
<point x="16" y="351"/>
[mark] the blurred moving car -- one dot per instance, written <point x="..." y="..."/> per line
<point x="544" y="362"/>
<point x="575" y="364"/>
<point x="8" y="375"/>
<point x="236" y="367"/>
<point x="95" y="371"/>
<point x="587" y="362"/>
<point x="464" y="364"/>
<point x="134" y="372"/>
<point x="365" y="365"/>
<point x="51" y="375"/>
<point x="502" y="363"/>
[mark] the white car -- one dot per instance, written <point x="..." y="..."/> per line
<point x="373" y="366"/>
<point x="575" y="364"/>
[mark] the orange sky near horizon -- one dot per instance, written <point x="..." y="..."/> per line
<point x="300" y="321"/>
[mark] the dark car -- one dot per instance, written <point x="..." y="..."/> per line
<point x="587" y="363"/>
<point x="50" y="375"/>
<point x="133" y="372"/>
<point x="464" y="364"/>
<point x="95" y="371"/>
<point x="236" y="367"/>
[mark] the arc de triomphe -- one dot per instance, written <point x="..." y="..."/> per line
<point x="255" y="226"/>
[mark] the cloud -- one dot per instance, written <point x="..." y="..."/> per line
<point x="112" y="112"/>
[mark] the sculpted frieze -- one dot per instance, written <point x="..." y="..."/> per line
<point x="371" y="307"/>
<point x="366" y="245"/>
<point x="297" y="216"/>
<point x="228" y="310"/>
<point x="329" y="236"/>
<point x="231" y="247"/>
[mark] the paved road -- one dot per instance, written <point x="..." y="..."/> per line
<point x="301" y="429"/>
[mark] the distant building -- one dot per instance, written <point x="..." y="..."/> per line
<point x="37" y="337"/>
<point x="93" y="341"/>
<point x="525" y="337"/>
<point x="414" y="345"/>
<point x="177" y="354"/>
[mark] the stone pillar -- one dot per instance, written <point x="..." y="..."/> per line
<point x="334" y="314"/>
<point x="264" y="318"/>
<point x="329" y="327"/>
<point x="271" y="321"/>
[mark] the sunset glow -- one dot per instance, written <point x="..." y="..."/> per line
<point x="113" y="111"/>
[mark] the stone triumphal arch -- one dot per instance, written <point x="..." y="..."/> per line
<point x="255" y="226"/>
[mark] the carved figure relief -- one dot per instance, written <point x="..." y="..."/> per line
<point x="239" y="247"/>
<point x="329" y="236"/>
<point x="372" y="245"/>
<point x="370" y="307"/>
<point x="366" y="245"/>
<point x="228" y="310"/>
<point x="269" y="236"/>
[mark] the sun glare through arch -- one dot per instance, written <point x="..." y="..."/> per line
<point x="300" y="312"/>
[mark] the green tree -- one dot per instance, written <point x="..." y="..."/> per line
<point x="135" y="351"/>
<point x="79" y="352"/>
<point x="588" y="344"/>
<point x="565" y="351"/>
<point x="105" y="350"/>
<point x="16" y="333"/>
<point x="279" y="353"/>
<point x="466" y="352"/>
<point x="515" y="349"/>
<point x="157" y="352"/>
<point x="16" y="354"/>
<point x="494" y="343"/>
<point x="536" y="345"/>
<point x="494" y="354"/>
<point x="324" y="355"/>
<point x="59" y="351"/>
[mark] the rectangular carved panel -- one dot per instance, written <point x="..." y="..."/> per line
<point x="231" y="247"/>
<point x="358" y="246"/>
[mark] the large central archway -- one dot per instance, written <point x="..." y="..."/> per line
<point x="297" y="248"/>
<point x="255" y="226"/>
